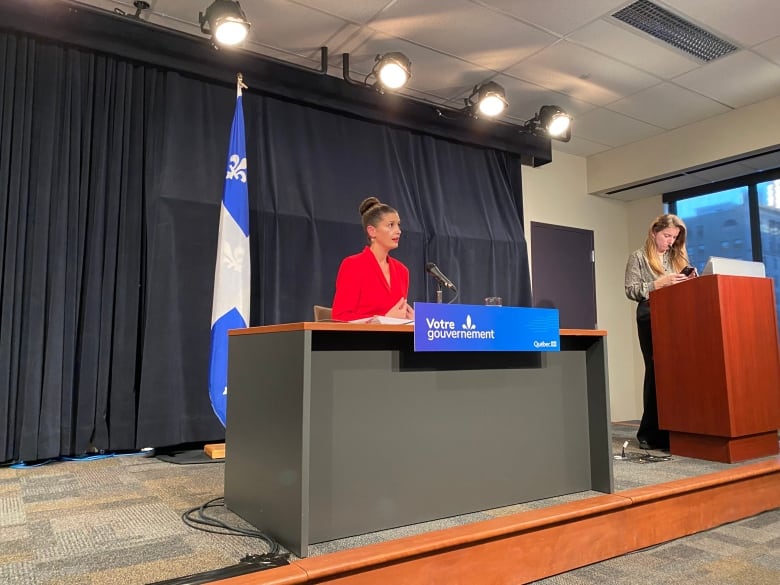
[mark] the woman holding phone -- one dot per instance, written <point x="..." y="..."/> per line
<point x="661" y="262"/>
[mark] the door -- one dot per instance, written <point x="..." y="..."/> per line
<point x="563" y="272"/>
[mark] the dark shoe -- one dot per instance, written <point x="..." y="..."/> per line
<point x="653" y="447"/>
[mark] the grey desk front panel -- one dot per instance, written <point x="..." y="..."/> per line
<point x="392" y="447"/>
<point x="338" y="441"/>
<point x="266" y="437"/>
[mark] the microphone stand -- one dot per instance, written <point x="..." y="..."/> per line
<point x="438" y="292"/>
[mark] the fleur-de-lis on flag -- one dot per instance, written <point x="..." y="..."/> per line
<point x="233" y="258"/>
<point x="237" y="168"/>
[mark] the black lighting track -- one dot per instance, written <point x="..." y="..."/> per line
<point x="131" y="38"/>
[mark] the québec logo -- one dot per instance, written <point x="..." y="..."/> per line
<point x="468" y="325"/>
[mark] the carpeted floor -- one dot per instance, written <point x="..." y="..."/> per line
<point x="115" y="520"/>
<point x="118" y="520"/>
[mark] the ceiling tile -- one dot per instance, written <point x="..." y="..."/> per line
<point x="748" y="22"/>
<point x="607" y="127"/>
<point x="525" y="99"/>
<point x="668" y="106"/>
<point x="739" y="79"/>
<point x="770" y="50"/>
<point x="432" y="72"/>
<point x="290" y="27"/>
<point x="358" y="12"/>
<point x="584" y="74"/>
<point x="463" y="29"/>
<point x="578" y="147"/>
<point x="344" y="40"/>
<point x="571" y="54"/>
<point x="559" y="17"/>
<point x="633" y="48"/>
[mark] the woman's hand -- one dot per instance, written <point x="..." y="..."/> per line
<point x="400" y="310"/>
<point x="670" y="279"/>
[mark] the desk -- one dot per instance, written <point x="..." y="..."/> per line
<point x="338" y="429"/>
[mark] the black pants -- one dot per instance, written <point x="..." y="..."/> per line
<point x="648" y="428"/>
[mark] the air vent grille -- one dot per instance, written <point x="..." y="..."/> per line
<point x="673" y="30"/>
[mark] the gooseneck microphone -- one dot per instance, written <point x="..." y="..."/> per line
<point x="434" y="271"/>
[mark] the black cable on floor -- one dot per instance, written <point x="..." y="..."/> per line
<point x="198" y="519"/>
<point x="249" y="564"/>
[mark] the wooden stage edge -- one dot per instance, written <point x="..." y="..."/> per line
<point x="536" y="544"/>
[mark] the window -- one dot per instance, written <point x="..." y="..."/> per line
<point x="739" y="218"/>
<point x="712" y="216"/>
<point x="768" y="195"/>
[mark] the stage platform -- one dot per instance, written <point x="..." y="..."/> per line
<point x="522" y="544"/>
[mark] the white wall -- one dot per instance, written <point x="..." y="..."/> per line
<point x="557" y="193"/>
<point x="749" y="129"/>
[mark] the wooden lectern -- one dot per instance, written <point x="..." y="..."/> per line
<point x="717" y="367"/>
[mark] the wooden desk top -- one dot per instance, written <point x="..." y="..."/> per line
<point x="341" y="326"/>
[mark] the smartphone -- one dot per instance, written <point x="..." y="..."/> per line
<point x="687" y="270"/>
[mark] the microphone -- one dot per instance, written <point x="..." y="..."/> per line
<point x="434" y="271"/>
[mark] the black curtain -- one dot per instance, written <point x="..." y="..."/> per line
<point x="112" y="173"/>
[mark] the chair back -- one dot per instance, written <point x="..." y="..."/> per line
<point x="322" y="313"/>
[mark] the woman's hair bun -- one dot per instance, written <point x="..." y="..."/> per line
<point x="368" y="203"/>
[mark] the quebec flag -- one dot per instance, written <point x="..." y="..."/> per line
<point x="232" y="275"/>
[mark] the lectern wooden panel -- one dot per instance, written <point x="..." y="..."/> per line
<point x="717" y="367"/>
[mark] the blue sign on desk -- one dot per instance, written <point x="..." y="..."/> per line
<point x="439" y="327"/>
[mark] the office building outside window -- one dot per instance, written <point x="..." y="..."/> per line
<point x="718" y="225"/>
<point x="768" y="194"/>
<point x="739" y="218"/>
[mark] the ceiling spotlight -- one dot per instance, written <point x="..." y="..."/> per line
<point x="552" y="122"/>
<point x="225" y="22"/>
<point x="556" y="122"/>
<point x="488" y="99"/>
<point x="392" y="70"/>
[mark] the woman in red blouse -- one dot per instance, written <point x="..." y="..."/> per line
<point x="372" y="283"/>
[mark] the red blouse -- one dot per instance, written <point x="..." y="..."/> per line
<point x="362" y="290"/>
